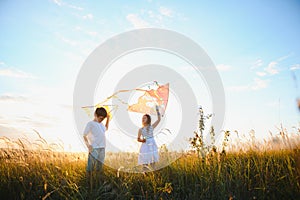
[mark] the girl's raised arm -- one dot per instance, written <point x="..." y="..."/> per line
<point x="158" y="118"/>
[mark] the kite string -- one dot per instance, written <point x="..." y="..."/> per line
<point x="115" y="95"/>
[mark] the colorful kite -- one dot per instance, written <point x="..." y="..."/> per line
<point x="146" y="103"/>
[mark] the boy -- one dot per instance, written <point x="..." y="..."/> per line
<point x="94" y="138"/>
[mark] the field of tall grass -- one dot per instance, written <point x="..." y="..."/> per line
<point x="46" y="174"/>
<point x="232" y="171"/>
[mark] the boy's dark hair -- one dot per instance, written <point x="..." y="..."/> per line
<point x="101" y="112"/>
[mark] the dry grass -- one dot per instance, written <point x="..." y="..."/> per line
<point x="247" y="174"/>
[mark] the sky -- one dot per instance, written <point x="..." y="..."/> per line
<point x="43" y="44"/>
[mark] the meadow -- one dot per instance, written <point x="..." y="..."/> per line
<point x="250" y="170"/>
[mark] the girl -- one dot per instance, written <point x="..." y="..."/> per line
<point x="148" y="152"/>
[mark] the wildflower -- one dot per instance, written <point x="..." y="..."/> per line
<point x="45" y="186"/>
<point x="118" y="173"/>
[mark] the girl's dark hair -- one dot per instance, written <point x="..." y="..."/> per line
<point x="100" y="112"/>
<point x="148" y="119"/>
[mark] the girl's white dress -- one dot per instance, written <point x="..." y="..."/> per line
<point x="148" y="152"/>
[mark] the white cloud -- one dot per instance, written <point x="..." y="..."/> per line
<point x="158" y="17"/>
<point x="92" y="33"/>
<point x="66" y="40"/>
<point x="9" y="97"/>
<point x="257" y="84"/>
<point x="257" y="64"/>
<point x="75" y="7"/>
<point x="136" y="21"/>
<point x="295" y="67"/>
<point x="165" y="11"/>
<point x="78" y="28"/>
<point x="150" y="13"/>
<point x="75" y="57"/>
<point x="261" y="74"/>
<point x="284" y="57"/>
<point x="57" y="2"/>
<point x="273" y="103"/>
<point x="61" y="3"/>
<point x="238" y="88"/>
<point x="88" y="16"/>
<point x="15" y="73"/>
<point x="271" y="68"/>
<point x="155" y="17"/>
<point x="88" y="32"/>
<point x="223" y="67"/>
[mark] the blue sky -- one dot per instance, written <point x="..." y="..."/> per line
<point x="254" y="44"/>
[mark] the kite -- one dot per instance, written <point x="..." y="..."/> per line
<point x="150" y="99"/>
<point x="146" y="103"/>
